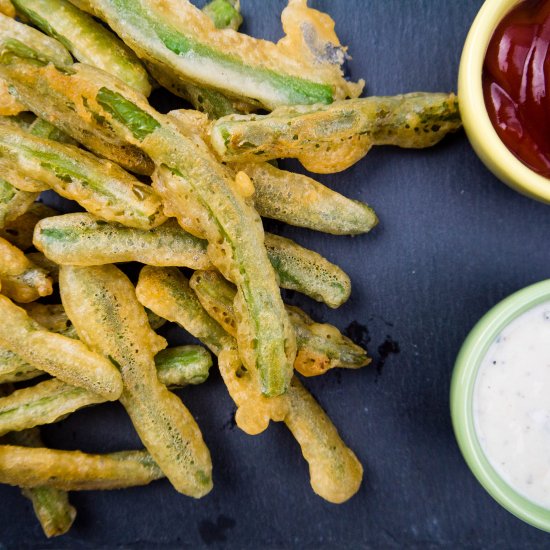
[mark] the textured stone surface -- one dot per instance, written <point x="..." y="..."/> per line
<point x="452" y="242"/>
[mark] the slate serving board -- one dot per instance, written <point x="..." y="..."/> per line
<point x="452" y="242"/>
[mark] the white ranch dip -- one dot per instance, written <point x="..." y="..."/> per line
<point x="512" y="404"/>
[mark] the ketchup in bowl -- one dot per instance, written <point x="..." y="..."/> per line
<point x="516" y="83"/>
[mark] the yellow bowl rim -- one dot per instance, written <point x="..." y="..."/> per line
<point x="477" y="124"/>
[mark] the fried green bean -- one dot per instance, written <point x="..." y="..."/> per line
<point x="166" y="292"/>
<point x="330" y="138"/>
<point x="51" y="506"/>
<point x="13" y="368"/>
<point x="66" y="109"/>
<point x="225" y="14"/>
<point x="307" y="272"/>
<point x="44" y="403"/>
<point x="19" y="232"/>
<point x="102" y="304"/>
<point x="9" y="106"/>
<point x="52" y="400"/>
<point x="230" y="224"/>
<point x="206" y="100"/>
<point x="83" y="240"/>
<point x="67" y="359"/>
<point x="335" y="472"/>
<point x="13" y="202"/>
<point x="301" y="201"/>
<point x="292" y="198"/>
<point x="6" y="7"/>
<point x="21" y="280"/>
<point x="320" y="346"/>
<point x="53" y="318"/>
<point x="182" y="366"/>
<point x="17" y="36"/>
<point x="89" y="41"/>
<point x="74" y="470"/>
<point x="232" y="227"/>
<point x="43" y="129"/>
<point x="100" y="186"/>
<point x="302" y="68"/>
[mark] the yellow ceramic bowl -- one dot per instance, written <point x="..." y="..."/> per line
<point x="477" y="124"/>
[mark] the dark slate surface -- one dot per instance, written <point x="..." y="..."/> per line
<point x="452" y="242"/>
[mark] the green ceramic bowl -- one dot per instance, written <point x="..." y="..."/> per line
<point x="479" y="129"/>
<point x="465" y="372"/>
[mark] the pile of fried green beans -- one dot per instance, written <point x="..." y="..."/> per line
<point x="183" y="190"/>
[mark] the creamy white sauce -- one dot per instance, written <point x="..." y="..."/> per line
<point x="512" y="404"/>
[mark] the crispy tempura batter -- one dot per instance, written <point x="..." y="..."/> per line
<point x="178" y="39"/>
<point x="21" y="279"/>
<point x="60" y="356"/>
<point x="75" y="471"/>
<point x="330" y="138"/>
<point x="98" y="185"/>
<point x="102" y="304"/>
<point x="335" y="472"/>
<point x="320" y="346"/>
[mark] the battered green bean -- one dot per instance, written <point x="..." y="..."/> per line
<point x="52" y="317"/>
<point x="6" y="7"/>
<point x="9" y="106"/>
<point x="100" y="186"/>
<point x="166" y="292"/>
<point x="330" y="138"/>
<point x="335" y="472"/>
<point x="299" y="200"/>
<point x="289" y="197"/>
<point x="51" y="506"/>
<point x="102" y="304"/>
<point x="232" y="227"/>
<point x="89" y="41"/>
<point x="69" y="360"/>
<point x="81" y="239"/>
<point x="44" y="403"/>
<point x="304" y="67"/>
<point x="320" y="346"/>
<point x="43" y="129"/>
<point x="13" y="368"/>
<point x="15" y="36"/>
<point x="225" y="14"/>
<point x="13" y="202"/>
<point x="74" y="470"/>
<point x="21" y="280"/>
<point x="67" y="109"/>
<point x="307" y="272"/>
<point x="183" y="365"/>
<point x="52" y="400"/>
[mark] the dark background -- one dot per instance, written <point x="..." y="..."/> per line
<point x="452" y="242"/>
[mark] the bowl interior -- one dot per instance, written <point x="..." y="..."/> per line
<point x="464" y="377"/>
<point x="479" y="129"/>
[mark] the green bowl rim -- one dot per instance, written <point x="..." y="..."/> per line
<point x="463" y="380"/>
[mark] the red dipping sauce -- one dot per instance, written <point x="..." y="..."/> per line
<point x="516" y="83"/>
